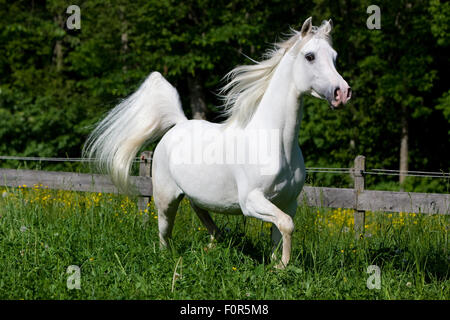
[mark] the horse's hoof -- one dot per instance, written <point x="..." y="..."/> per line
<point x="212" y="245"/>
<point x="280" y="266"/>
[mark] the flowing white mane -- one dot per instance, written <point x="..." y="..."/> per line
<point x="248" y="83"/>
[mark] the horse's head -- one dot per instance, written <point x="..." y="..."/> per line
<point x="314" y="67"/>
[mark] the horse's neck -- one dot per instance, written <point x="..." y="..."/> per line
<point x="280" y="108"/>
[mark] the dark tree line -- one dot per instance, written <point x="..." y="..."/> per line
<point x="56" y="83"/>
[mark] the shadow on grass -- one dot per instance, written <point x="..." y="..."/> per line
<point x="258" y="250"/>
<point x="434" y="263"/>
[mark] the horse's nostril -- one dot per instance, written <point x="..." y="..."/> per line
<point x="349" y="93"/>
<point x="336" y="93"/>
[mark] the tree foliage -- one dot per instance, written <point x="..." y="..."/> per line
<point x="56" y="83"/>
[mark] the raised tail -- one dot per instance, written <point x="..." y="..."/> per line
<point x="144" y="116"/>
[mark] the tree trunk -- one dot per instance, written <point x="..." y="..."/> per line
<point x="404" y="146"/>
<point x="123" y="37"/>
<point x="58" y="56"/>
<point x="197" y="98"/>
<point x="58" y="50"/>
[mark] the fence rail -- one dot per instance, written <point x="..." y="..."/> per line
<point x="374" y="200"/>
<point x="358" y="198"/>
<point x="70" y="181"/>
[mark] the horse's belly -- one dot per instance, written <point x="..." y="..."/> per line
<point x="209" y="186"/>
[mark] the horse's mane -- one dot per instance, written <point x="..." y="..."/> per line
<point x="248" y="83"/>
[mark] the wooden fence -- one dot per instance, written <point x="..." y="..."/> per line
<point x="358" y="198"/>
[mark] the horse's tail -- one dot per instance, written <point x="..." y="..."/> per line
<point x="144" y="116"/>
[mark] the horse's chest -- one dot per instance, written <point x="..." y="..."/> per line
<point x="286" y="186"/>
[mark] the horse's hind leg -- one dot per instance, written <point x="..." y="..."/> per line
<point x="166" y="202"/>
<point x="207" y="221"/>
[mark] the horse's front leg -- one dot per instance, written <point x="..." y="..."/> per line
<point x="256" y="205"/>
<point x="275" y="232"/>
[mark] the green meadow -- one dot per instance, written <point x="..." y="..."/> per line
<point x="115" y="246"/>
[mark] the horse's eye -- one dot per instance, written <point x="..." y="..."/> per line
<point x="309" y="57"/>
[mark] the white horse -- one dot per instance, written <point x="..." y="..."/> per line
<point x="264" y="104"/>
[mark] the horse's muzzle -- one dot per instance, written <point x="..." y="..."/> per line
<point x="340" y="96"/>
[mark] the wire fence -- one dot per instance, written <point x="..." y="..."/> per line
<point x="346" y="171"/>
<point x="385" y="172"/>
<point x="44" y="159"/>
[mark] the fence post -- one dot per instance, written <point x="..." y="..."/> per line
<point x="145" y="171"/>
<point x="359" y="215"/>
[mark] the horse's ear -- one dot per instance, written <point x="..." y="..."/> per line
<point x="307" y="26"/>
<point x="327" y="26"/>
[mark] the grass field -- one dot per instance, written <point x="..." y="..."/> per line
<point x="43" y="232"/>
